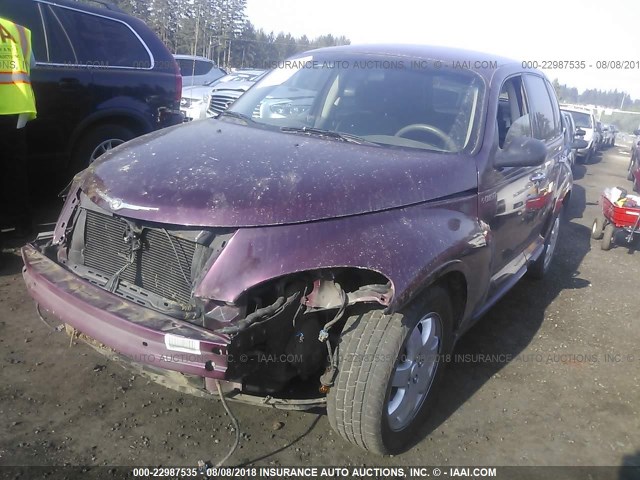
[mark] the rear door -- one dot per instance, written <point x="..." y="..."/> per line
<point x="547" y="127"/>
<point x="517" y="202"/>
<point x="119" y="62"/>
<point x="504" y="192"/>
<point x="60" y="84"/>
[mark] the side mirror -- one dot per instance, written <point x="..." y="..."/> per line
<point x="580" y="132"/>
<point x="579" y="143"/>
<point x="521" y="152"/>
<point x="636" y="132"/>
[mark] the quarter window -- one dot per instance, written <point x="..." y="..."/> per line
<point x="100" y="41"/>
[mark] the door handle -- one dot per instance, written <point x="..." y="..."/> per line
<point x="538" y="177"/>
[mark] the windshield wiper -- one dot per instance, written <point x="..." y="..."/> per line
<point x="232" y="114"/>
<point x="345" y="137"/>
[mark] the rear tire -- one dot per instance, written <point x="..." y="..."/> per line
<point x="597" y="229"/>
<point x="607" y="238"/>
<point x="390" y="367"/>
<point x="97" y="141"/>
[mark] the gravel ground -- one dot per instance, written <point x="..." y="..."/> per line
<point x="563" y="390"/>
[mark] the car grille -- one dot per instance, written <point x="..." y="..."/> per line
<point x="162" y="265"/>
<point x="219" y="102"/>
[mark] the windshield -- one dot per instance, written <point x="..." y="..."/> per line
<point x="582" y="120"/>
<point x="383" y="102"/>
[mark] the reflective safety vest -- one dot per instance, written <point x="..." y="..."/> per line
<point x="16" y="94"/>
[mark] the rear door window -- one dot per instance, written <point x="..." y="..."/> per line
<point x="59" y="47"/>
<point x="100" y="41"/>
<point x="545" y="122"/>
<point x="582" y="120"/>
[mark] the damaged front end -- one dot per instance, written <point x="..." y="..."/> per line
<point x="128" y="285"/>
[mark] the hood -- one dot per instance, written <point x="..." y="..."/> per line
<point x="218" y="173"/>
<point x="237" y="86"/>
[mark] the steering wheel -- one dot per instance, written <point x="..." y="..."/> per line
<point x="423" y="127"/>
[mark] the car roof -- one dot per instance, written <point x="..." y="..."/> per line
<point x="576" y="108"/>
<point x="101" y="7"/>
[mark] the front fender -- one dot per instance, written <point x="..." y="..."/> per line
<point x="409" y="246"/>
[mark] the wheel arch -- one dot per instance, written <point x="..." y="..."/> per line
<point x="453" y="279"/>
<point x="126" y="118"/>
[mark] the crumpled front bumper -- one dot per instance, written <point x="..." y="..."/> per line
<point x="140" y="334"/>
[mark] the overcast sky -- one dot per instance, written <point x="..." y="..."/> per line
<point x="538" y="30"/>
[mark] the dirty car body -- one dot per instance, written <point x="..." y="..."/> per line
<point x="354" y="190"/>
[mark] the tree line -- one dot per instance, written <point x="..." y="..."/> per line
<point x="609" y="98"/>
<point x="221" y="31"/>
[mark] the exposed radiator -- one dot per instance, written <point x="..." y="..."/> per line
<point x="162" y="265"/>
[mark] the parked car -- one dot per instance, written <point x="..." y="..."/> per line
<point x="228" y="89"/>
<point x="633" y="171"/>
<point x="197" y="70"/>
<point x="608" y="135"/>
<point x="102" y="77"/>
<point x="584" y="119"/>
<point x="599" y="136"/>
<point x="570" y="137"/>
<point x="195" y="101"/>
<point x="323" y="242"/>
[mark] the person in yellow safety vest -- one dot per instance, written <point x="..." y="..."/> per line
<point x="17" y="107"/>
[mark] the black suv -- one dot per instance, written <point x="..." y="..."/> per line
<point x="101" y="77"/>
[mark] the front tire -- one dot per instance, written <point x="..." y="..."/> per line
<point x="597" y="229"/>
<point x="389" y="370"/>
<point x="607" y="238"/>
<point x="541" y="266"/>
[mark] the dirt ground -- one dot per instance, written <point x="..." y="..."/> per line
<point x="565" y="392"/>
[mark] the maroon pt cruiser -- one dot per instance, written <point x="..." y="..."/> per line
<point x="325" y="241"/>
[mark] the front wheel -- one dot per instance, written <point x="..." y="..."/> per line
<point x="607" y="238"/>
<point x="541" y="266"/>
<point x="389" y="369"/>
<point x="597" y="229"/>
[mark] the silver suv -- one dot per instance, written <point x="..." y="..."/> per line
<point x="198" y="70"/>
